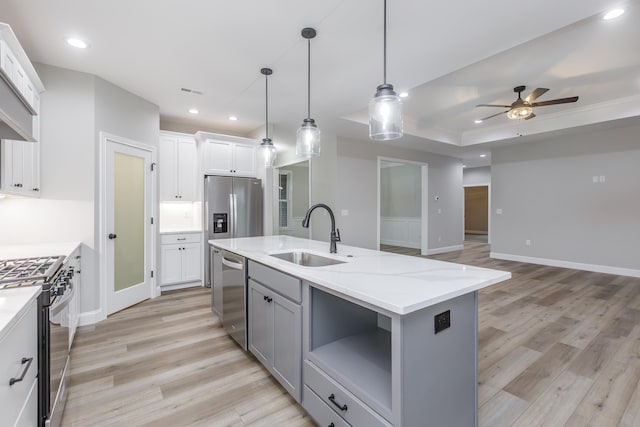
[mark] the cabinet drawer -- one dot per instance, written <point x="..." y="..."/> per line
<point x="319" y="411"/>
<point x="280" y="282"/>
<point x="167" y="239"/>
<point x="21" y="342"/>
<point x="335" y="397"/>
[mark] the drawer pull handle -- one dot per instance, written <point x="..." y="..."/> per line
<point x="183" y="238"/>
<point x="28" y="361"/>
<point x="331" y="425"/>
<point x="332" y="398"/>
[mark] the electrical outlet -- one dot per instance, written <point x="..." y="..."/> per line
<point x="439" y="211"/>
<point x="602" y="178"/>
<point x="442" y="321"/>
<point x="527" y="242"/>
<point x="344" y="212"/>
<point x="595" y="178"/>
<point x="498" y="211"/>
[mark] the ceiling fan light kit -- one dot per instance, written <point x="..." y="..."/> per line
<point x="385" y="108"/>
<point x="308" y="135"/>
<point x="267" y="148"/>
<point x="523" y="108"/>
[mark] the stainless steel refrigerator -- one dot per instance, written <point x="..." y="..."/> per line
<point x="232" y="208"/>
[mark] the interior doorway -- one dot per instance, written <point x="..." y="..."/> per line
<point x="292" y="197"/>
<point x="476" y="213"/>
<point x="402" y="205"/>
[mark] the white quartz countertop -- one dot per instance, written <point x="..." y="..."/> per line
<point x="397" y="283"/>
<point x="14" y="301"/>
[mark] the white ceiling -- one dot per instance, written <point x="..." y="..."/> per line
<point x="450" y="56"/>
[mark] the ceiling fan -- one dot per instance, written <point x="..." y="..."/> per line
<point x="523" y="108"/>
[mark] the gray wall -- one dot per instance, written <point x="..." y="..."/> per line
<point x="547" y="194"/>
<point x="399" y="185"/>
<point x="357" y="175"/>
<point x="75" y="107"/>
<point x="476" y="176"/>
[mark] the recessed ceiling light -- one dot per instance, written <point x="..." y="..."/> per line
<point x="233" y="118"/>
<point x="483" y="155"/>
<point x="612" y="14"/>
<point x="194" y="111"/>
<point x="477" y="121"/>
<point x="404" y="94"/>
<point x="80" y="44"/>
<point x="464" y="166"/>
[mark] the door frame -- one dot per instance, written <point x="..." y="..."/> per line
<point x="424" y="201"/>
<point x="102" y="218"/>
<point x="488" y="185"/>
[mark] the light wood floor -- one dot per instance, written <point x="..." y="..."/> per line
<point x="556" y="347"/>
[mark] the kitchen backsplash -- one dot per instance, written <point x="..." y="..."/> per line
<point x="180" y="216"/>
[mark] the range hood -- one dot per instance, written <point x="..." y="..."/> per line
<point x="16" y="120"/>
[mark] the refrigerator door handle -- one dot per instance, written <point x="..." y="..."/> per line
<point x="235" y="215"/>
<point x="232" y="216"/>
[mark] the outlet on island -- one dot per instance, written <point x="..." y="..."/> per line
<point x="442" y="321"/>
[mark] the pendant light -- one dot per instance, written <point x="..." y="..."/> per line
<point x="308" y="136"/>
<point x="385" y="108"/>
<point x="267" y="148"/>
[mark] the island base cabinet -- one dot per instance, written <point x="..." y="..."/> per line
<point x="275" y="335"/>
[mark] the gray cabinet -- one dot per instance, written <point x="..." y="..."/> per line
<point x="275" y="326"/>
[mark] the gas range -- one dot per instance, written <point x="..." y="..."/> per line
<point x="35" y="271"/>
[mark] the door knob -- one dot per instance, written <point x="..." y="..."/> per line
<point x="112" y="236"/>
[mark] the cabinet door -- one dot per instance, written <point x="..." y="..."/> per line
<point x="244" y="159"/>
<point x="16" y="179"/>
<point x="191" y="262"/>
<point x="218" y="157"/>
<point x="171" y="263"/>
<point x="287" y="344"/>
<point x="28" y="155"/>
<point x="260" y="323"/>
<point x="187" y="170"/>
<point x="168" y="172"/>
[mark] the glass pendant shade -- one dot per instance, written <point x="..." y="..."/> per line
<point x="385" y="114"/>
<point x="308" y="139"/>
<point x="269" y="153"/>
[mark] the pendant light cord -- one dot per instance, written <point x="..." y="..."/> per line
<point x="384" y="79"/>
<point x="266" y="104"/>
<point x="309" y="78"/>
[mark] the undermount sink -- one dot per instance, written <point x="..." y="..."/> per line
<point x="307" y="259"/>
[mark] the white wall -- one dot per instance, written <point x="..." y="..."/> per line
<point x="476" y="176"/>
<point x="355" y="184"/>
<point x="75" y="107"/>
<point x="399" y="185"/>
<point x="547" y="194"/>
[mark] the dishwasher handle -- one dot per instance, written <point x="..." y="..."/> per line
<point x="231" y="264"/>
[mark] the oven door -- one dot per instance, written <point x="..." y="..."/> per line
<point x="58" y="355"/>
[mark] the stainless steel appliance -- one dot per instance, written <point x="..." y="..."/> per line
<point x="232" y="208"/>
<point x="234" y="296"/>
<point x="53" y="326"/>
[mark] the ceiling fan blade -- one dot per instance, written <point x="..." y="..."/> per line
<point x="494" y="115"/>
<point x="555" y="101"/>
<point x="530" y="117"/>
<point x="493" y="105"/>
<point x="535" y="94"/>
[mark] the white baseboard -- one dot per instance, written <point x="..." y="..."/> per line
<point x="442" y="250"/>
<point x="180" y="286"/>
<point x="403" y="243"/>
<point x="568" y="264"/>
<point x="91" y="317"/>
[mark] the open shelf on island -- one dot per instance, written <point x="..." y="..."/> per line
<point x="349" y="344"/>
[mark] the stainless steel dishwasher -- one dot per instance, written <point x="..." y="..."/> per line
<point x="234" y="296"/>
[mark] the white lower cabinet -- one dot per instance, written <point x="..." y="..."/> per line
<point x="18" y="371"/>
<point x="180" y="259"/>
<point x="275" y="326"/>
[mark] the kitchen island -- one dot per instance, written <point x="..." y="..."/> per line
<point x="387" y="339"/>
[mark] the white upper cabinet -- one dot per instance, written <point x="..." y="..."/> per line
<point x="229" y="157"/>
<point x="14" y="73"/>
<point x="178" y="166"/>
<point x="20" y="168"/>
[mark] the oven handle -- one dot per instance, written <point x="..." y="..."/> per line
<point x="26" y="360"/>
<point x="59" y="302"/>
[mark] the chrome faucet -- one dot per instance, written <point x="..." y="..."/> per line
<point x="335" y="233"/>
